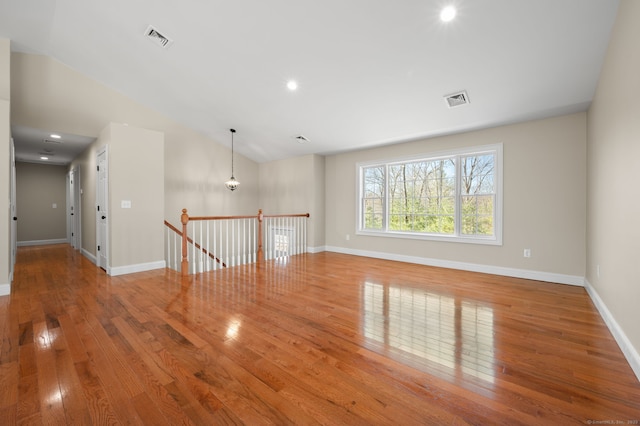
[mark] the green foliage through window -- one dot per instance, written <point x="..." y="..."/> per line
<point x="452" y="195"/>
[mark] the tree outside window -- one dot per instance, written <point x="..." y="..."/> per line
<point x="451" y="195"/>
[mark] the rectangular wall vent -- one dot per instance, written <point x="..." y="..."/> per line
<point x="457" y="99"/>
<point x="159" y="39"/>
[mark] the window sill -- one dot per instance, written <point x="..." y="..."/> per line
<point x="491" y="241"/>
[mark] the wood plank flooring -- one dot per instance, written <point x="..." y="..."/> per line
<point x="315" y="339"/>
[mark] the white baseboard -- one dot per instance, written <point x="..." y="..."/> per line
<point x="42" y="242"/>
<point x="140" y="267"/>
<point x="464" y="266"/>
<point x="5" y="289"/>
<point x="316" y="249"/>
<point x="89" y="256"/>
<point x="630" y="353"/>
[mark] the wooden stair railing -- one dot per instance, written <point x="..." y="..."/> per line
<point x="185" y="218"/>
<point x="198" y="246"/>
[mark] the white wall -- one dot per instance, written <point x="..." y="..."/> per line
<point x="613" y="234"/>
<point x="544" y="202"/>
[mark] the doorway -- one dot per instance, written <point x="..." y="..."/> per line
<point x="74" y="215"/>
<point x="102" y="212"/>
<point x="13" y="211"/>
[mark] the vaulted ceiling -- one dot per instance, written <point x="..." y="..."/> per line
<point x="369" y="72"/>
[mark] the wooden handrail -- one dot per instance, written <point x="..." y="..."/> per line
<point x="185" y="218"/>
<point x="245" y="217"/>
<point x="173" y="228"/>
<point x="219" y="217"/>
<point x="286" y="215"/>
<point x="198" y="246"/>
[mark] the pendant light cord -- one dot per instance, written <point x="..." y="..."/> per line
<point x="232" y="132"/>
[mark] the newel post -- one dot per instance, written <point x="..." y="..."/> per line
<point x="184" y="267"/>
<point x="260" y="253"/>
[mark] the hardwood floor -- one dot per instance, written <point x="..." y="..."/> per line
<point x="320" y="338"/>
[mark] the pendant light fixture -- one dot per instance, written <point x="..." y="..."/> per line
<point x="232" y="183"/>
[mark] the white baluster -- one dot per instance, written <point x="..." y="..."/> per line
<point x="244" y="241"/>
<point x="193" y="249"/>
<point x="215" y="252"/>
<point x="304" y="235"/>
<point x="200" y="252"/>
<point x="227" y="245"/>
<point x="208" y="255"/>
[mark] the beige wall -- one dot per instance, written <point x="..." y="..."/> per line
<point x="136" y="174"/>
<point x="296" y="185"/>
<point x="544" y="199"/>
<point x="5" y="69"/>
<point x="137" y="233"/>
<point x="318" y="221"/>
<point x="38" y="188"/>
<point x="613" y="238"/>
<point x="5" y="169"/>
<point x="196" y="166"/>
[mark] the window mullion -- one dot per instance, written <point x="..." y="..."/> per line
<point x="385" y="216"/>
<point x="458" y="198"/>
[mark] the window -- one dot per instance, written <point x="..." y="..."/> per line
<point x="453" y="196"/>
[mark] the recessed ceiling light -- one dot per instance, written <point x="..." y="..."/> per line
<point x="292" y="85"/>
<point x="44" y="158"/>
<point x="55" y="136"/>
<point x="447" y="14"/>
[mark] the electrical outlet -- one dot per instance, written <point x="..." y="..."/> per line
<point x="527" y="253"/>
<point x="348" y="237"/>
<point x="598" y="270"/>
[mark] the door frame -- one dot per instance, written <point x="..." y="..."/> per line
<point x="12" y="210"/>
<point x="102" y="209"/>
<point x="74" y="210"/>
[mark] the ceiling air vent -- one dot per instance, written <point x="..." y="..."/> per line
<point x="159" y="39"/>
<point x="53" y="141"/>
<point x="457" y="99"/>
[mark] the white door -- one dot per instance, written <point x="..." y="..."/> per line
<point x="102" y="220"/>
<point x="73" y="211"/>
<point x="13" y="212"/>
<point x="71" y="225"/>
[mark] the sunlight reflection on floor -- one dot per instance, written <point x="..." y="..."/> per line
<point x="452" y="332"/>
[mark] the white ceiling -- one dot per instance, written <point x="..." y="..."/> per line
<point x="370" y="72"/>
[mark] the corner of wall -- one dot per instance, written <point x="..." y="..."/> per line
<point x="630" y="353"/>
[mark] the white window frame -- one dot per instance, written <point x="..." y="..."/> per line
<point x="495" y="239"/>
